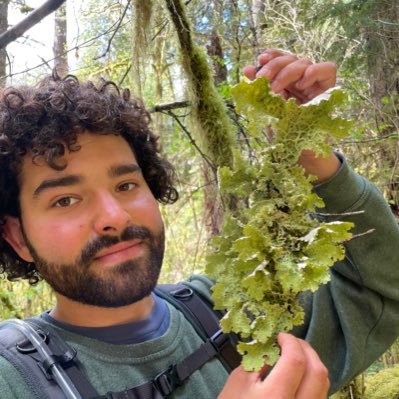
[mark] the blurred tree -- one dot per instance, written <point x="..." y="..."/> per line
<point x="3" y="28"/>
<point x="60" y="41"/>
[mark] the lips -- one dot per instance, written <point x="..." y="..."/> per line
<point x="119" y="251"/>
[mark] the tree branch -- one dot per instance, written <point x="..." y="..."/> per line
<point x="32" y="19"/>
<point x="77" y="47"/>
<point x="115" y="31"/>
<point x="192" y="141"/>
<point x="169" y="107"/>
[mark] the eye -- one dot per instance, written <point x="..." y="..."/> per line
<point x="127" y="186"/>
<point x="64" y="202"/>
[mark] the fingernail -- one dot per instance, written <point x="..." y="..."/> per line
<point x="264" y="71"/>
<point x="265" y="56"/>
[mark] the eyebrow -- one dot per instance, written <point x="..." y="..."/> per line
<point x="114" y="171"/>
<point x="120" y="170"/>
<point x="58" y="182"/>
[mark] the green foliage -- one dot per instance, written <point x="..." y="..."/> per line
<point x="384" y="384"/>
<point x="271" y="248"/>
<point x="21" y="300"/>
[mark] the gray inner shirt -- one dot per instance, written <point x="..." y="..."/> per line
<point x="152" y="327"/>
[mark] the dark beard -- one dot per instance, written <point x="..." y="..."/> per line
<point x="119" y="285"/>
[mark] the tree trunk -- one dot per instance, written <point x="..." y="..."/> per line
<point x="3" y="28"/>
<point x="60" y="41"/>
<point x="257" y="22"/>
<point x="383" y="70"/>
<point x="215" y="52"/>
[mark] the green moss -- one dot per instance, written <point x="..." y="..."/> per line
<point x="383" y="385"/>
<point x="209" y="111"/>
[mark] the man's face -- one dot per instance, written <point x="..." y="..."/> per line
<point x="94" y="229"/>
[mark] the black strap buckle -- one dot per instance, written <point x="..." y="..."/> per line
<point x="167" y="381"/>
<point x="219" y="340"/>
<point x="26" y="347"/>
<point x="64" y="360"/>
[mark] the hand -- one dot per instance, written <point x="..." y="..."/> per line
<point x="298" y="374"/>
<point x="299" y="78"/>
<point x="293" y="77"/>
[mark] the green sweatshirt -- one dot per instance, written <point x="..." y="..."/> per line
<point x="350" y="321"/>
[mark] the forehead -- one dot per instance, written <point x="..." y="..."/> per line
<point x="97" y="152"/>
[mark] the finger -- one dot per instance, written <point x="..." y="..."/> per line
<point x="313" y="92"/>
<point x="297" y="95"/>
<point x="315" y="383"/>
<point x="290" y="74"/>
<point x="273" y="67"/>
<point x="325" y="73"/>
<point x="240" y="382"/>
<point x="249" y="71"/>
<point x="287" y="374"/>
<point x="269" y="54"/>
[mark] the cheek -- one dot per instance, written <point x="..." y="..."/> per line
<point x="58" y="240"/>
<point x="146" y="212"/>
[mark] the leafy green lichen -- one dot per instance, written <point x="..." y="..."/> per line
<point x="271" y="248"/>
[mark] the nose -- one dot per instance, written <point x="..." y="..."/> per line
<point x="110" y="215"/>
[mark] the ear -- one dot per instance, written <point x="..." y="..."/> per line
<point x="12" y="233"/>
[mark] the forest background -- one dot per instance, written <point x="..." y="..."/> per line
<point x="140" y="45"/>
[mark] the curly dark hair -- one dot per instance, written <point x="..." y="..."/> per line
<point x="45" y="120"/>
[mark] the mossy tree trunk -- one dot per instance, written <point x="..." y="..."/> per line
<point x="212" y="123"/>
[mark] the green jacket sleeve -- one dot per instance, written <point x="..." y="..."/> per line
<point x="353" y="319"/>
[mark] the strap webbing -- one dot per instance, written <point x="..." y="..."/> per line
<point x="167" y="381"/>
<point x="200" y="313"/>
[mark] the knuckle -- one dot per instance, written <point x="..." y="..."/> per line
<point x="320" y="371"/>
<point x="298" y="362"/>
<point x="305" y="60"/>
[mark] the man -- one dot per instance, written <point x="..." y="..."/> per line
<point x="81" y="175"/>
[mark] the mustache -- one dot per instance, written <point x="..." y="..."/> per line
<point x="102" y="242"/>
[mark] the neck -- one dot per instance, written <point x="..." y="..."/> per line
<point x="82" y="315"/>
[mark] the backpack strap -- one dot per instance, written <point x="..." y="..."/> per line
<point x="199" y="312"/>
<point x="205" y="320"/>
<point x="65" y="355"/>
<point x="18" y="350"/>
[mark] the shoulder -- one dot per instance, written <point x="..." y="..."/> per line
<point x="201" y="284"/>
<point x="12" y="385"/>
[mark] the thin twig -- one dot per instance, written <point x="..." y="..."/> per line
<point x="115" y="31"/>
<point x="125" y="74"/>
<point x="336" y="214"/>
<point x="192" y="141"/>
<point x="77" y="47"/>
<point x="369" y="140"/>
<point x="360" y="235"/>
